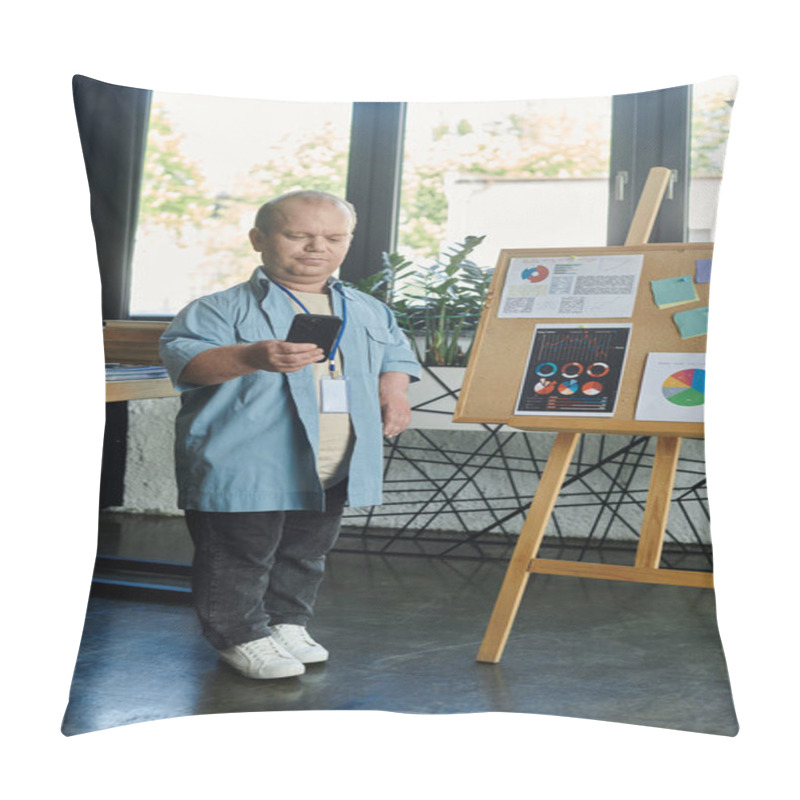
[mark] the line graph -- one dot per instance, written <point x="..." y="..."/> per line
<point x="576" y="345"/>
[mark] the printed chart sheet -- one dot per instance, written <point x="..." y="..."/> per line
<point x="673" y="388"/>
<point x="574" y="370"/>
<point x="571" y="286"/>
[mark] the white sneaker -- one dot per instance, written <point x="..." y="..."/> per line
<point x="296" y="640"/>
<point x="263" y="659"/>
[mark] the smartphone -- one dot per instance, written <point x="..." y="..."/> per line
<point x="318" y="329"/>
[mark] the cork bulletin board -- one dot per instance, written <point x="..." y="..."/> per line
<point x="500" y="357"/>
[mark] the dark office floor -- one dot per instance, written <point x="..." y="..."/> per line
<point x="404" y="633"/>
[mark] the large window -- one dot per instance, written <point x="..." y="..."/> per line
<point x="522" y="174"/>
<point x="210" y="163"/>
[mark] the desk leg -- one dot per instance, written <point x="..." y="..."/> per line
<point x="659" y="496"/>
<point x="530" y="539"/>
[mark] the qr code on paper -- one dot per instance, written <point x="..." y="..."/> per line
<point x="571" y="306"/>
<point x="518" y="305"/>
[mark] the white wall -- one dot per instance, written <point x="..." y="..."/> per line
<point x="550" y="213"/>
<point x="527" y="213"/>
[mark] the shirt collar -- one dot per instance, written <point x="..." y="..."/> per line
<point x="261" y="283"/>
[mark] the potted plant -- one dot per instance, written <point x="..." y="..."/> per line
<point x="439" y="306"/>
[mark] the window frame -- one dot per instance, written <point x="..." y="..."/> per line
<point x="648" y="129"/>
<point x="373" y="184"/>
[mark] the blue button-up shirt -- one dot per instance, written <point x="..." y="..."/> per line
<point x="251" y="443"/>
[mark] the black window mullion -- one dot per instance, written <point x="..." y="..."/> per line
<point x="373" y="183"/>
<point x="650" y="129"/>
<point x="112" y="122"/>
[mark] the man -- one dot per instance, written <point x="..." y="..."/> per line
<point x="263" y="473"/>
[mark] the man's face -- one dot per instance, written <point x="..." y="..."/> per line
<point x="306" y="243"/>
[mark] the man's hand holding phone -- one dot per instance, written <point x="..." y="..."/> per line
<point x="321" y="329"/>
<point x="274" y="355"/>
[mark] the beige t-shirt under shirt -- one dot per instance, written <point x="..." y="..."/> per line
<point x="335" y="430"/>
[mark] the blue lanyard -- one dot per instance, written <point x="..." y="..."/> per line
<point x="332" y="364"/>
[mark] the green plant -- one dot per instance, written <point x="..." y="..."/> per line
<point x="438" y="303"/>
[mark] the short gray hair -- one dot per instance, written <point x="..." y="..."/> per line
<point x="266" y="213"/>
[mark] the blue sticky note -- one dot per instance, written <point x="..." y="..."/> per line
<point x="693" y="322"/>
<point x="673" y="291"/>
<point x="703" y="270"/>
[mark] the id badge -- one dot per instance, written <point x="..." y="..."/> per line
<point x="334" y="396"/>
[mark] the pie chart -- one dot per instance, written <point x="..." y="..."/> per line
<point x="544" y="386"/>
<point x="535" y="274"/>
<point x="592" y="387"/>
<point x="568" y="387"/>
<point x="686" y="388"/>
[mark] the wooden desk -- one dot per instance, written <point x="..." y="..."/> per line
<point x="134" y="342"/>
<point x="139" y="390"/>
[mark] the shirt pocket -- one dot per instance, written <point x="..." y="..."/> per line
<point x="377" y="342"/>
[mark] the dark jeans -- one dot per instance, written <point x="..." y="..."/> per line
<point x="256" y="569"/>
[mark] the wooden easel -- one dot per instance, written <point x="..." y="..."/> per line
<point x="524" y="561"/>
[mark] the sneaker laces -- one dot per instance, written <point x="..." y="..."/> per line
<point x="295" y="632"/>
<point x="266" y="646"/>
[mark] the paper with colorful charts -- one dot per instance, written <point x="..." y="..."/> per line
<point x="598" y="286"/>
<point x="673" y="388"/>
<point x="574" y="370"/>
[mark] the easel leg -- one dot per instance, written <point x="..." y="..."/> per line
<point x="659" y="495"/>
<point x="530" y="539"/>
